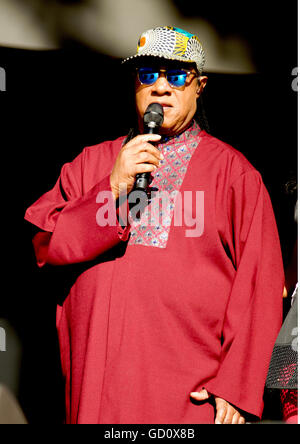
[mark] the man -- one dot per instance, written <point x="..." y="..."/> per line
<point x="164" y="324"/>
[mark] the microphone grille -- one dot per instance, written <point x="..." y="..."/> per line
<point x="155" y="114"/>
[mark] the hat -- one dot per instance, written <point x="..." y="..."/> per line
<point x="170" y="43"/>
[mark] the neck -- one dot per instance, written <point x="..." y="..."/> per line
<point x="169" y="134"/>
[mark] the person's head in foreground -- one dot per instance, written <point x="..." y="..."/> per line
<point x="168" y="70"/>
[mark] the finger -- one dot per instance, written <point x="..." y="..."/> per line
<point x="242" y="420"/>
<point x="229" y="414"/>
<point x="221" y="408"/>
<point x="236" y="418"/>
<point x="145" y="157"/>
<point x="144" y="168"/>
<point x="142" y="138"/>
<point x="148" y="148"/>
<point x="200" y="396"/>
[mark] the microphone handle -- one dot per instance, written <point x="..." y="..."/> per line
<point x="142" y="179"/>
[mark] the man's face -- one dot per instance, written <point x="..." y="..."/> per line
<point x="179" y="103"/>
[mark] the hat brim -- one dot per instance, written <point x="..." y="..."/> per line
<point x="134" y="60"/>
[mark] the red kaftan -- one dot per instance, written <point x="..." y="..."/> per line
<point x="143" y="326"/>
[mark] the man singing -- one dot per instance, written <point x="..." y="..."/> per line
<point x="164" y="324"/>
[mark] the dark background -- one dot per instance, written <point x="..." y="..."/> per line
<point x="58" y="102"/>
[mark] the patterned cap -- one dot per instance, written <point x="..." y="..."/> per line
<point x="171" y="43"/>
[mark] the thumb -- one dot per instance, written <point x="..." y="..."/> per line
<point x="200" y="396"/>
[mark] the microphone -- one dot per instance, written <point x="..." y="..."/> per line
<point x="153" y="120"/>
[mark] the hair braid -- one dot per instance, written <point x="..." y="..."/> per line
<point x="200" y="115"/>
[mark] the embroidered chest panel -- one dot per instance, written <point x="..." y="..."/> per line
<point x="153" y="227"/>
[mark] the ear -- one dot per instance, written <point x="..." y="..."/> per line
<point x="202" y="80"/>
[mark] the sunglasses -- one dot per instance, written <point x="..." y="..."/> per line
<point x="175" y="77"/>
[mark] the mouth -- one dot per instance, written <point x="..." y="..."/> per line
<point x="166" y="106"/>
<point x="163" y="104"/>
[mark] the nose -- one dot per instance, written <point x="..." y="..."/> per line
<point x="161" y="86"/>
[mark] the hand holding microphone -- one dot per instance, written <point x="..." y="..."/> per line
<point x="139" y="155"/>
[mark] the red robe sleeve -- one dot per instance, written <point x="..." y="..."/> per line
<point x="68" y="218"/>
<point x="254" y="311"/>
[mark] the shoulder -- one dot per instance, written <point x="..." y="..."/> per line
<point x="92" y="165"/>
<point x="226" y="158"/>
<point x="98" y="157"/>
<point x="107" y="150"/>
<point x="104" y="151"/>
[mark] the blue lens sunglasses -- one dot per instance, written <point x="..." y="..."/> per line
<point x="175" y="77"/>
